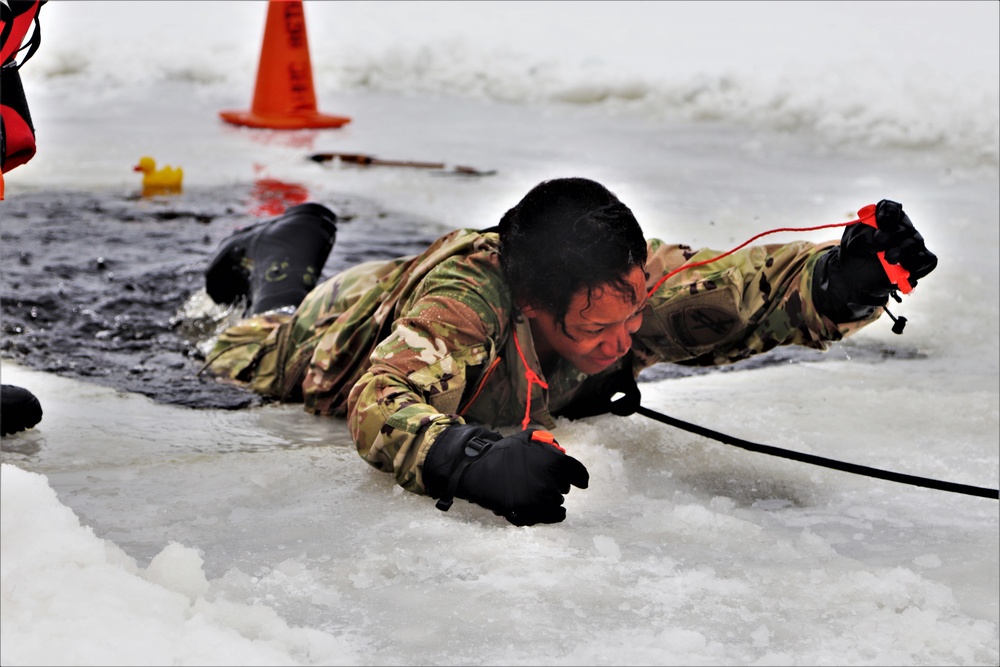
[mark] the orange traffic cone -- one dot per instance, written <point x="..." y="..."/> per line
<point x="284" y="98"/>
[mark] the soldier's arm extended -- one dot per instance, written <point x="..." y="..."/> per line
<point x="764" y="296"/>
<point x="746" y="303"/>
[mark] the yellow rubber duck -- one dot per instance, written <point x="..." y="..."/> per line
<point x="158" y="181"/>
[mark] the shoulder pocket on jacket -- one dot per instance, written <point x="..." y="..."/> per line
<point x="691" y="319"/>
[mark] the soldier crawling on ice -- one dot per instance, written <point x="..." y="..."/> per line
<point x="548" y="314"/>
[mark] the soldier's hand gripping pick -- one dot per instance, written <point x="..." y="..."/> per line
<point x="522" y="478"/>
<point x="850" y="279"/>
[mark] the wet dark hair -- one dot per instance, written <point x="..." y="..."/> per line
<point x="565" y="235"/>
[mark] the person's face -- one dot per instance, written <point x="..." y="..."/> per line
<point x="599" y="326"/>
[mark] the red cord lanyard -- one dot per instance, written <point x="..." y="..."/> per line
<point x="532" y="378"/>
<point x="692" y="265"/>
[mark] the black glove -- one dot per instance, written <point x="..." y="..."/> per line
<point x="850" y="280"/>
<point x="615" y="392"/>
<point x="522" y="477"/>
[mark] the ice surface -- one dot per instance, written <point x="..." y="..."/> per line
<point x="141" y="533"/>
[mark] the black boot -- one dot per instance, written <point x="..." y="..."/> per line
<point x="274" y="263"/>
<point x="19" y="409"/>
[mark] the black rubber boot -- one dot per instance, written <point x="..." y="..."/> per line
<point x="273" y="263"/>
<point x="19" y="409"/>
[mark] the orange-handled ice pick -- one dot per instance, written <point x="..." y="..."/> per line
<point x="898" y="276"/>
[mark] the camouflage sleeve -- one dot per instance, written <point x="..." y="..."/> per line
<point x="741" y="305"/>
<point x="417" y="377"/>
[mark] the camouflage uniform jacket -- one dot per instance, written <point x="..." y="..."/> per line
<point x="410" y="347"/>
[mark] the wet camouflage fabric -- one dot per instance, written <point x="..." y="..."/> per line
<point x="406" y="348"/>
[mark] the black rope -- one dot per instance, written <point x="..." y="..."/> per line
<point x="821" y="461"/>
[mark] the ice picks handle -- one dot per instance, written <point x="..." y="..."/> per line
<point x="898" y="276"/>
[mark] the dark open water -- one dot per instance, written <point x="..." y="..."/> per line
<point x="95" y="284"/>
